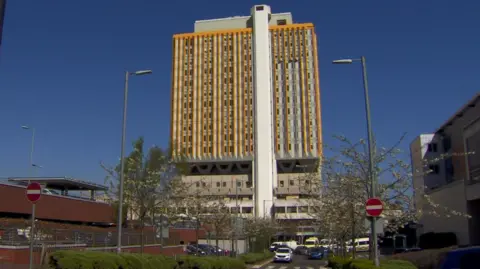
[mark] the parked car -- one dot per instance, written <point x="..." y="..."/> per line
<point x="464" y="258"/>
<point x="274" y="246"/>
<point x="209" y="250"/>
<point x="301" y="250"/>
<point x="283" y="255"/>
<point x="192" y="250"/>
<point x="221" y="252"/>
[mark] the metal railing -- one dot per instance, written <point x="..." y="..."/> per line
<point x="21" y="237"/>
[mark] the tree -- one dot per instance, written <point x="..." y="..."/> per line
<point x="258" y="232"/>
<point x="339" y="210"/>
<point x="345" y="186"/>
<point x="148" y="178"/>
<point x="218" y="218"/>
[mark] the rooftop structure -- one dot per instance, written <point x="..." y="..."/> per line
<point x="56" y="203"/>
<point x="61" y="183"/>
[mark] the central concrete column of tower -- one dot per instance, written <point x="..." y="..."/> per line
<point x="264" y="169"/>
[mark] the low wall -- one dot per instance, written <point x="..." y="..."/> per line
<point x="148" y="249"/>
<point x="19" y="255"/>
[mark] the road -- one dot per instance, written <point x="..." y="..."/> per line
<point x="299" y="262"/>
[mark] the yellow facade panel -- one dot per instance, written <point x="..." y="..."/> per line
<point x="211" y="95"/>
<point x="317" y="96"/>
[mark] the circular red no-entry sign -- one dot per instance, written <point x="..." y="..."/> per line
<point x="374" y="207"/>
<point x="34" y="192"/>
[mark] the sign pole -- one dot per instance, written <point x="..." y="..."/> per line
<point x="33" y="193"/>
<point x="374" y="208"/>
<point x="32" y="235"/>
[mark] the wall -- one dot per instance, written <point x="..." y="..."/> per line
<point x="54" y="207"/>
<point x="19" y="255"/>
<point x="185" y="235"/>
<point x="452" y="197"/>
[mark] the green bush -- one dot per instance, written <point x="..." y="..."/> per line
<point x="105" y="260"/>
<point x="348" y="263"/>
<point x="252" y="258"/>
<point x="336" y="262"/>
<point x="188" y="262"/>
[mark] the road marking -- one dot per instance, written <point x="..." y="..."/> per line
<point x="283" y="267"/>
<point x="296" y="267"/>
<point x="270" y="266"/>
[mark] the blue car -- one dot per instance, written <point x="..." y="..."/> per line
<point x="316" y="253"/>
<point x="467" y="258"/>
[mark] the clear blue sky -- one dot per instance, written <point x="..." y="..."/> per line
<point x="62" y="64"/>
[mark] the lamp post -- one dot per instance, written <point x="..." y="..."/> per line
<point x="122" y="155"/>
<point x="237" y="215"/>
<point x="32" y="171"/>
<point x="32" y="148"/>
<point x="371" y="172"/>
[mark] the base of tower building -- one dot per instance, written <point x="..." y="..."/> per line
<point x="244" y="166"/>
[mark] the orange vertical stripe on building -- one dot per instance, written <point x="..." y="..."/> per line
<point x="317" y="95"/>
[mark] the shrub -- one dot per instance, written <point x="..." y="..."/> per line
<point x="188" y="262"/>
<point x="252" y="258"/>
<point x="424" y="259"/>
<point x="106" y="260"/>
<point x="336" y="262"/>
<point x="437" y="240"/>
<point x="66" y="259"/>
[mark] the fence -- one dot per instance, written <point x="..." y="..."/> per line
<point x="21" y="236"/>
<point x="227" y="244"/>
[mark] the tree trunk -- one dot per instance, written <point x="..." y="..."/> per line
<point x="142" y="234"/>
<point x="232" y="247"/>
<point x="354" y="246"/>
<point x="197" y="231"/>
<point x="161" y="231"/>
<point x="352" y="216"/>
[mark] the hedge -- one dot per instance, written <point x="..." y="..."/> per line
<point x="424" y="259"/>
<point x="67" y="259"/>
<point x="252" y="258"/>
<point x="348" y="263"/>
<point x="437" y="240"/>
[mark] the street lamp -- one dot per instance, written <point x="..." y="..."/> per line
<point x="32" y="147"/>
<point x="237" y="185"/>
<point x="32" y="168"/>
<point x="122" y="154"/>
<point x="371" y="172"/>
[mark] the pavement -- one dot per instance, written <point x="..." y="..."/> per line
<point x="299" y="262"/>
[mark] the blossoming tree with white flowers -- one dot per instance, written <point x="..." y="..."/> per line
<point x="345" y="187"/>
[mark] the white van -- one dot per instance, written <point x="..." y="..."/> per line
<point x="327" y="243"/>
<point x="291" y="244"/>
<point x="361" y="244"/>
